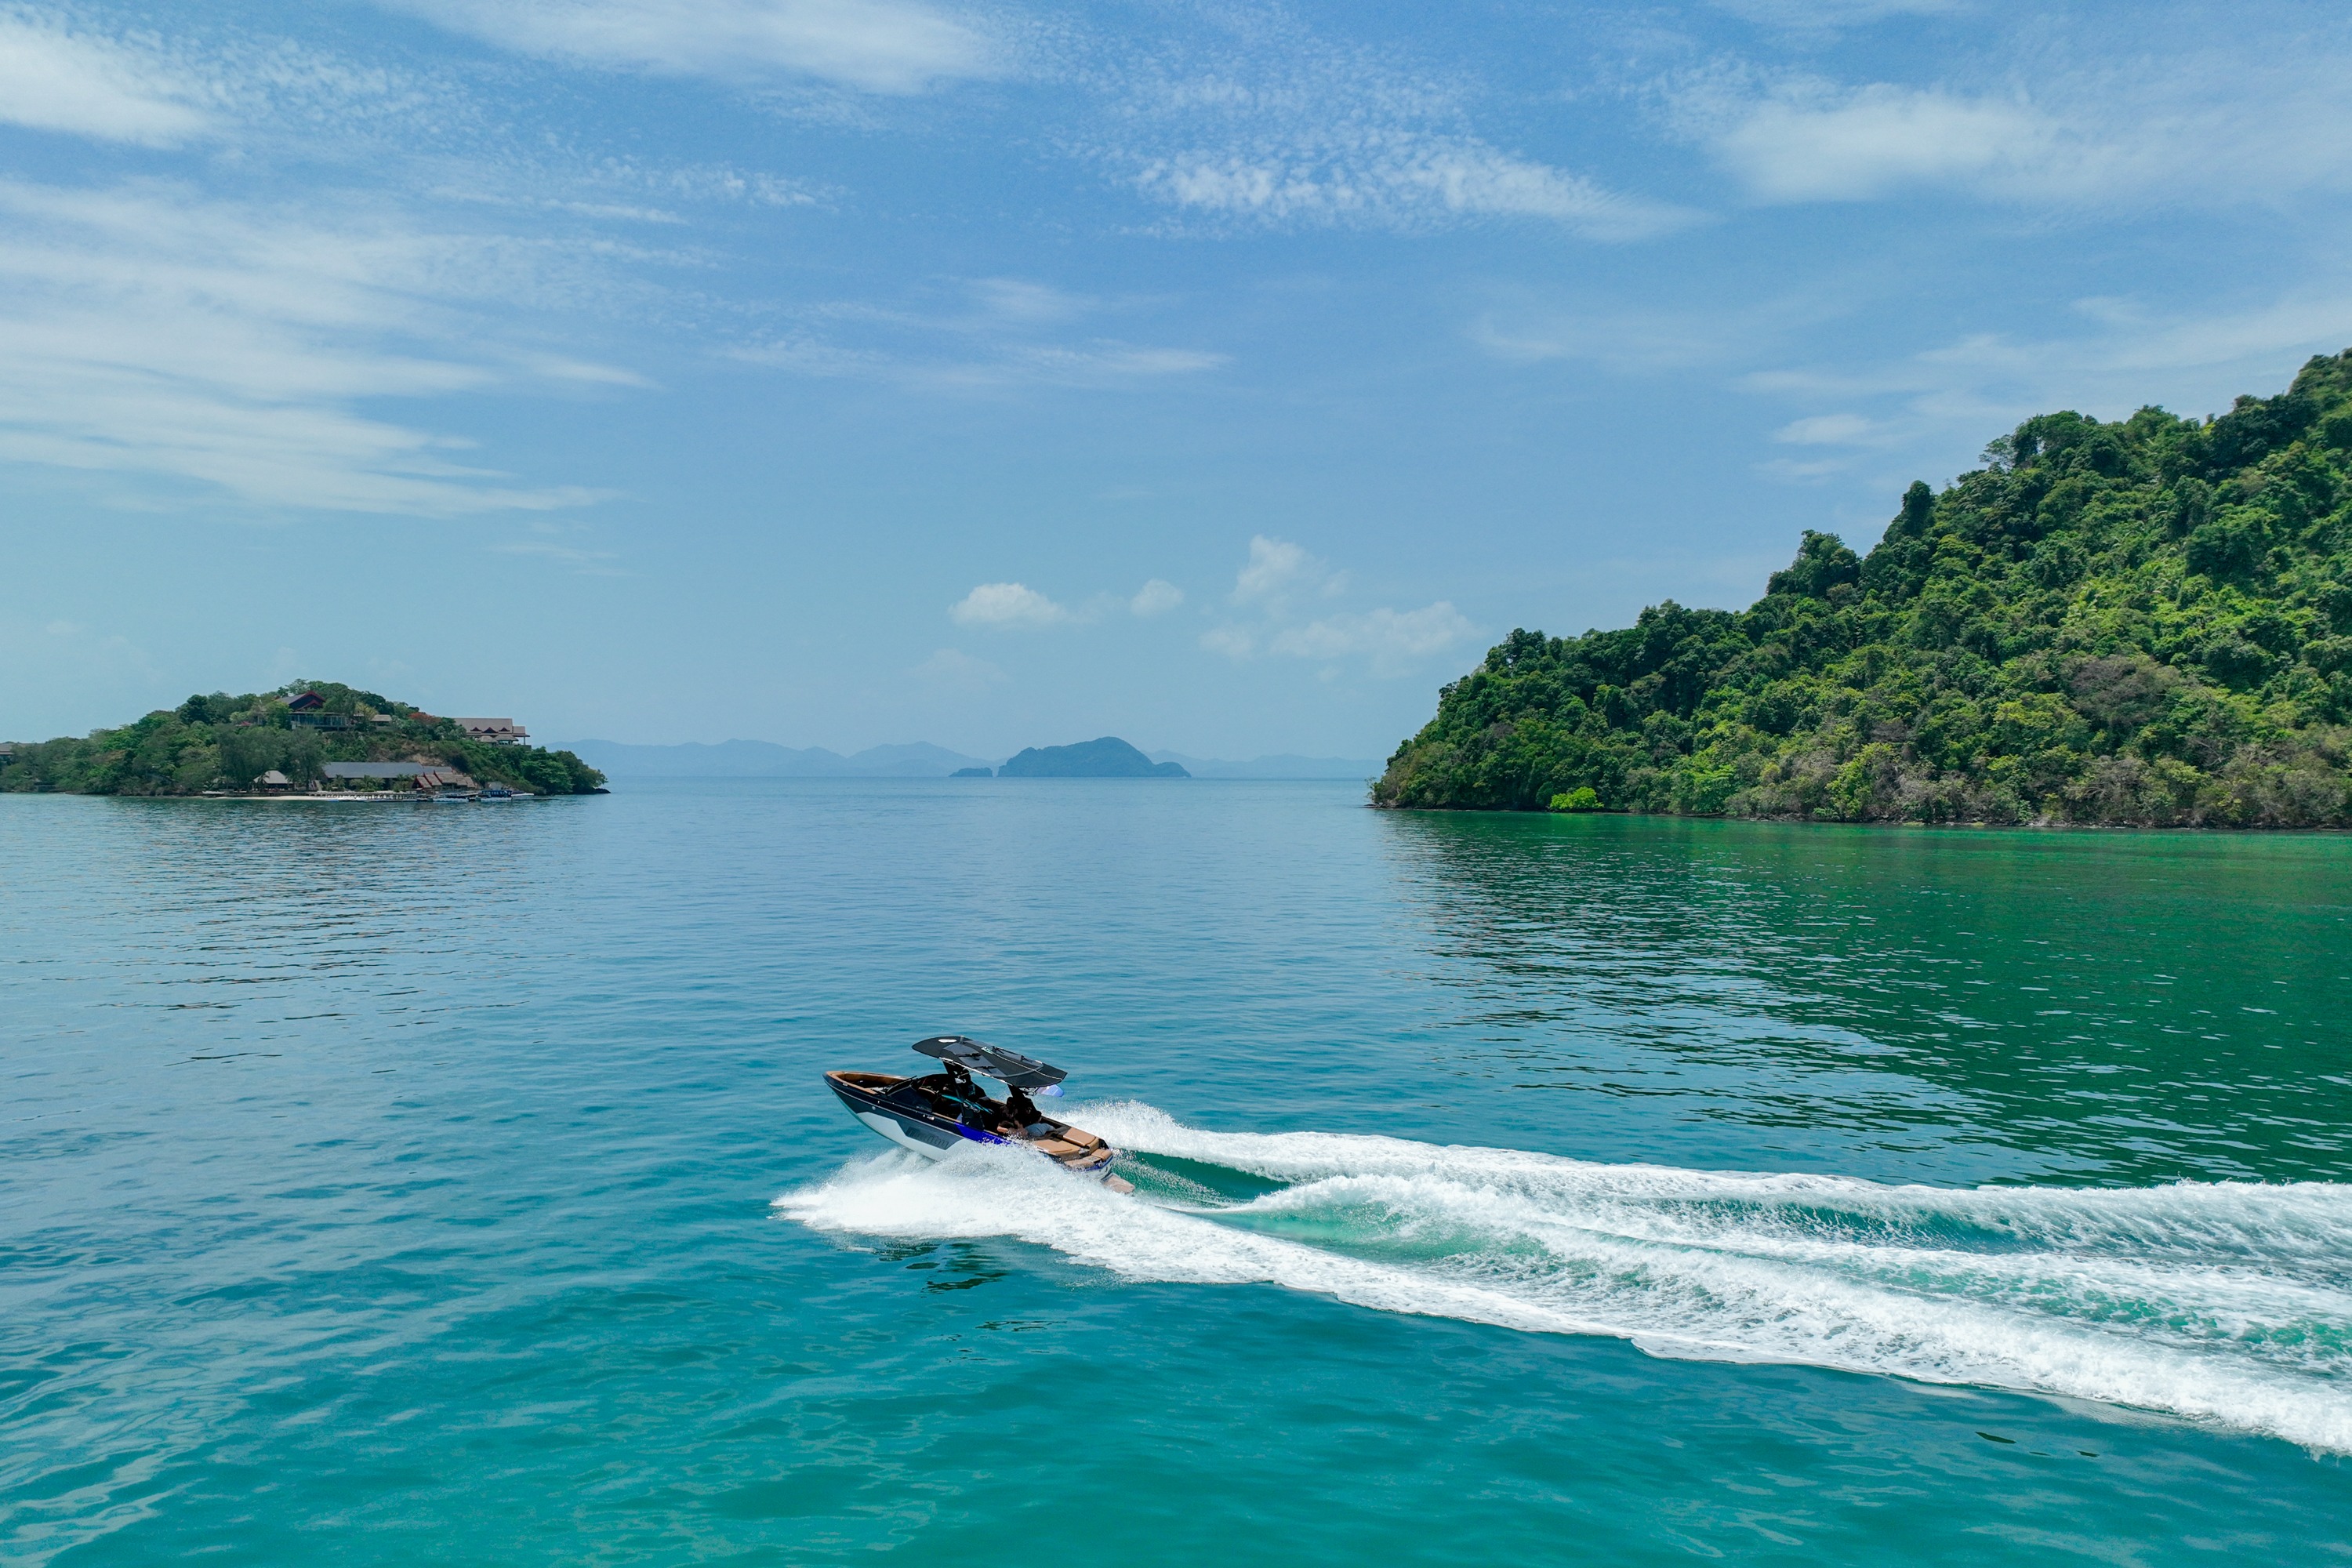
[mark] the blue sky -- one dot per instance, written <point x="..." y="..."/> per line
<point x="1223" y="376"/>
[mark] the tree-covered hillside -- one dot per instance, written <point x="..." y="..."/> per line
<point x="2141" y="622"/>
<point x="226" y="742"/>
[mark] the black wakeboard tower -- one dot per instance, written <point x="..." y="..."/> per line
<point x="1010" y="1068"/>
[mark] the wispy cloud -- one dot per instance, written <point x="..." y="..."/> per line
<point x="992" y="334"/>
<point x="1946" y="399"/>
<point x="1830" y="430"/>
<point x="1279" y="573"/>
<point x="147" y="330"/>
<point x="1275" y="126"/>
<point x="81" y="84"/>
<point x="586" y="563"/>
<point x="2127" y="354"/>
<point x="1826" y="15"/>
<point x="1393" y="640"/>
<point x="2173" y="115"/>
<point x="1278" y="570"/>
<point x="1393" y="178"/>
<point x="874" y="45"/>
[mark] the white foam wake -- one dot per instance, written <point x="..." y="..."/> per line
<point x="2229" y="1303"/>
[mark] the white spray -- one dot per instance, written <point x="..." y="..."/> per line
<point x="2227" y="1302"/>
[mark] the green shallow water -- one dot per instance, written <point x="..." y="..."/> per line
<point x="455" y="1185"/>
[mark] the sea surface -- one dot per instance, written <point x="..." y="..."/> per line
<point x="416" y="1184"/>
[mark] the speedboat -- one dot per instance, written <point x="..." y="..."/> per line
<point x="945" y="1110"/>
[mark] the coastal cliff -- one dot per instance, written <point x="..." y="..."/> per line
<point x="2141" y="622"/>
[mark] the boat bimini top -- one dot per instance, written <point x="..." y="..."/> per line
<point x="1010" y="1068"/>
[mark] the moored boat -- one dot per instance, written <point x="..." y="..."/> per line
<point x="946" y="1109"/>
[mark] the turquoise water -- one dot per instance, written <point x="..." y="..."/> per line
<point x="401" y="1184"/>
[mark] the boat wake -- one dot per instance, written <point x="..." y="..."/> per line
<point x="2222" y="1302"/>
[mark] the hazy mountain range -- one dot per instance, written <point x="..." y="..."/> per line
<point x="921" y="760"/>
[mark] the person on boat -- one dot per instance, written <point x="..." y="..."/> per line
<point x="964" y="1100"/>
<point x="1021" y="1113"/>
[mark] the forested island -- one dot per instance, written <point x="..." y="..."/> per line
<point x="220" y="742"/>
<point x="2133" y="622"/>
<point x="1107" y="758"/>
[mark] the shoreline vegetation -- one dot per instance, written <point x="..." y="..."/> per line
<point x="217" y="744"/>
<point x="2141" y="623"/>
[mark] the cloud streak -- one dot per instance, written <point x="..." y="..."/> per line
<point x="81" y="85"/>
<point x="894" y="46"/>
<point x="147" y="330"/>
<point x="999" y="334"/>
<point x="2173" y="117"/>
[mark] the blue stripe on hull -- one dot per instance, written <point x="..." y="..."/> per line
<point x="922" y="1134"/>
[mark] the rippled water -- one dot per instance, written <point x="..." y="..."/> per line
<point x="454" y="1184"/>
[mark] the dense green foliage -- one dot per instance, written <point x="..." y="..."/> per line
<point x="219" y="742"/>
<point x="2140" y="622"/>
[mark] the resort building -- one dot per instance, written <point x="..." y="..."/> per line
<point x="306" y="711"/>
<point x="344" y="773"/>
<point x="497" y="731"/>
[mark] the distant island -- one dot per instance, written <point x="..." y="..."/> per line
<point x="308" y="733"/>
<point x="1108" y="758"/>
<point x="766" y="759"/>
<point x="2142" y="623"/>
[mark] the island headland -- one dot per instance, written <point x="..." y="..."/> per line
<point x="305" y="736"/>
<point x="2140" y="623"/>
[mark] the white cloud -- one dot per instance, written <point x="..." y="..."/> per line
<point x="876" y="46"/>
<point x="51" y="79"/>
<point x="1277" y="569"/>
<point x="954" y="671"/>
<point x="2176" y="114"/>
<point x="1397" y="179"/>
<point x="1279" y="128"/>
<point x="1008" y="604"/>
<point x="1156" y="597"/>
<point x="146" y="329"/>
<point x="1393" y="640"/>
<point x="1814" y="144"/>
